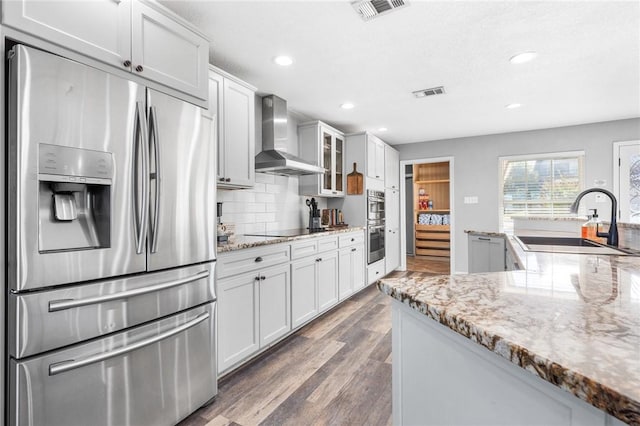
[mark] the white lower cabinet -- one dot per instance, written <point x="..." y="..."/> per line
<point x="314" y="286"/>
<point x="275" y="304"/>
<point x="327" y="280"/>
<point x="351" y="265"/>
<point x="254" y="311"/>
<point x="238" y="328"/>
<point x="304" y="298"/>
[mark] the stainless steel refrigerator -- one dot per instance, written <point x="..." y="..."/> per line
<point x="111" y="230"/>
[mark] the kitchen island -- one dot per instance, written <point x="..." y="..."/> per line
<point x="557" y="342"/>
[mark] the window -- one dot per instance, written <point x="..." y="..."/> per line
<point x="540" y="185"/>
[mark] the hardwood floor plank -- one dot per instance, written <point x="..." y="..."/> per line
<point x="219" y="421"/>
<point x="263" y="399"/>
<point x="356" y="403"/>
<point x="318" y="329"/>
<point x="382" y="351"/>
<point x="345" y="364"/>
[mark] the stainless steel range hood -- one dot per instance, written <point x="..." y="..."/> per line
<point x="274" y="158"/>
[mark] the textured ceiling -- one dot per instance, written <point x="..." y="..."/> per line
<point x="587" y="69"/>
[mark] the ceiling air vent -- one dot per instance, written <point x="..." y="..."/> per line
<point x="429" y="92"/>
<point x="369" y="9"/>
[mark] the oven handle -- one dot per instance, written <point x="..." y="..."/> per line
<point x="62" y="304"/>
<point x="64" y="366"/>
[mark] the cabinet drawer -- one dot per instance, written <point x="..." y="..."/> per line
<point x="351" y="239"/>
<point x="252" y="259"/>
<point x="433" y="244"/>
<point x="304" y="248"/>
<point x="421" y="235"/>
<point x="375" y="271"/>
<point x="326" y="244"/>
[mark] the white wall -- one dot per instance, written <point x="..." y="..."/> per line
<point x="273" y="203"/>
<point x="476" y="166"/>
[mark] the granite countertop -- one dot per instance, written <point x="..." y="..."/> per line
<point x="573" y="320"/>
<point x="247" y="241"/>
<point x="581" y="219"/>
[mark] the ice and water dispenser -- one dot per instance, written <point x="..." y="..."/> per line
<point x="74" y="198"/>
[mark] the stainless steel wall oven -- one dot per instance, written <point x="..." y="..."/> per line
<point x="375" y="226"/>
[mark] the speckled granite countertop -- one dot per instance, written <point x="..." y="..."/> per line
<point x="604" y="216"/>
<point x="245" y="241"/>
<point x="573" y="320"/>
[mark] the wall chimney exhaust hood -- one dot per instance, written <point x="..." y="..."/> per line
<point x="274" y="158"/>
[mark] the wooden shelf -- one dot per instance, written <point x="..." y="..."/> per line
<point x="434" y="211"/>
<point x="426" y="182"/>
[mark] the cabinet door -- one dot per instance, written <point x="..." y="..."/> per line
<point x="486" y="254"/>
<point x="392" y="208"/>
<point x="166" y="51"/>
<point x="339" y="158"/>
<point x="100" y="29"/>
<point x="275" y="304"/>
<point x="375" y="157"/>
<point x="327" y="280"/>
<point x="239" y="134"/>
<point x="304" y="299"/>
<point x="391" y="168"/>
<point x="392" y="249"/>
<point x="345" y="273"/>
<point x="238" y="326"/>
<point x="358" y="267"/>
<point x="216" y="106"/>
<point x="327" y="161"/>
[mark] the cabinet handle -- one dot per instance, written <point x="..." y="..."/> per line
<point x="377" y="272"/>
<point x="256" y="279"/>
<point x="262" y="278"/>
<point x="221" y="179"/>
<point x="227" y="180"/>
<point x="377" y="177"/>
<point x="484" y="239"/>
<point x="334" y="192"/>
<point x="139" y="68"/>
<point x="127" y="63"/>
<point x="354" y="249"/>
<point x="319" y="259"/>
<point x="258" y="259"/>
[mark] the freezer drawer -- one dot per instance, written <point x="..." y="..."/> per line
<point x="155" y="374"/>
<point x="46" y="320"/>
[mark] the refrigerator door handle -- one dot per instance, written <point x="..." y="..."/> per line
<point x="64" y="366"/>
<point x="141" y="201"/>
<point x="153" y="138"/>
<point x="63" y="304"/>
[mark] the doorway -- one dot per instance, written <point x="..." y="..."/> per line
<point x="427" y="215"/>
<point x="626" y="157"/>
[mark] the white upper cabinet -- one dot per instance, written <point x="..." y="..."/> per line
<point x="391" y="168"/>
<point x="237" y="131"/>
<point x="375" y="158"/>
<point x="138" y="36"/>
<point x="165" y="51"/>
<point x="100" y="29"/>
<point x="324" y="146"/>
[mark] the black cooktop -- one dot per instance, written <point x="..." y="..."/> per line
<point x="286" y="233"/>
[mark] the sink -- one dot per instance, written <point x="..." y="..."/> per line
<point x="549" y="244"/>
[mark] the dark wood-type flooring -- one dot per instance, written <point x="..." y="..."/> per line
<point x="334" y="371"/>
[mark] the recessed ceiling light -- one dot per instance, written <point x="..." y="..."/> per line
<point x="347" y="105"/>
<point x="382" y="129"/>
<point x="523" y="57"/>
<point x="283" y="61"/>
<point x="513" y="106"/>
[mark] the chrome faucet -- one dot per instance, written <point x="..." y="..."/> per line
<point x="612" y="235"/>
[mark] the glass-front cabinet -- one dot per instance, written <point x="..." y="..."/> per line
<point x="323" y="145"/>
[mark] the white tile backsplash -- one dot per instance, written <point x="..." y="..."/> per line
<point x="272" y="204"/>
